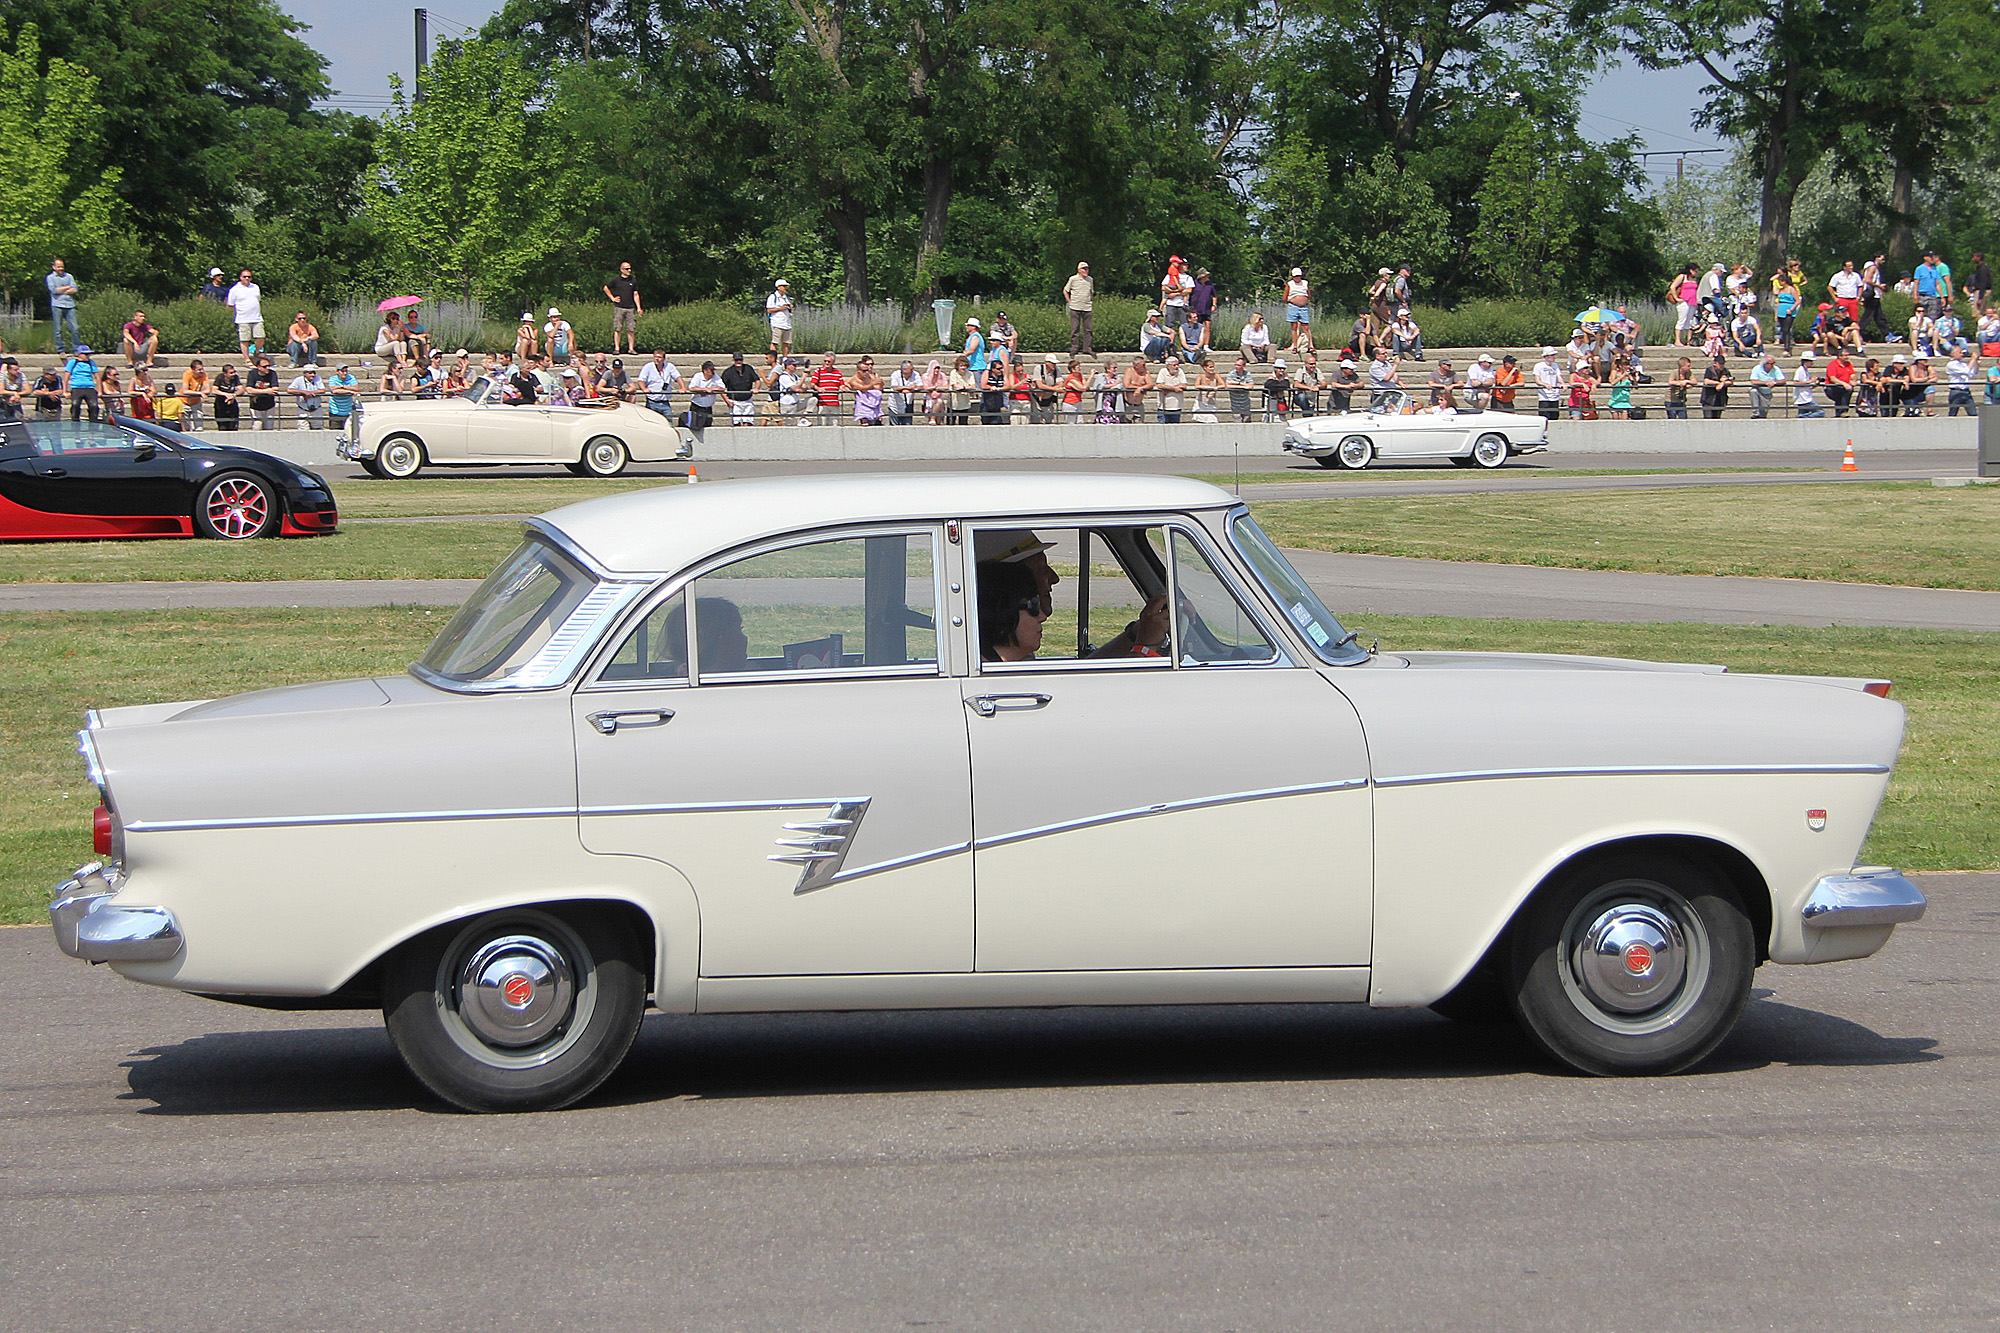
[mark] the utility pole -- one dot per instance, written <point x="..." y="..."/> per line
<point x="423" y="51"/>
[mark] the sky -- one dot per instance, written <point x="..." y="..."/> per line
<point x="367" y="40"/>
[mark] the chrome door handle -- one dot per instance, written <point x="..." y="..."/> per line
<point x="607" y="723"/>
<point x="986" y="705"/>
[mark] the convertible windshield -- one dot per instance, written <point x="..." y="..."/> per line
<point x="1302" y="605"/>
<point x="475" y="391"/>
<point x="511" y="617"/>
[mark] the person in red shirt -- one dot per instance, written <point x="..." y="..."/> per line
<point x="1840" y="382"/>
<point x="827" y="381"/>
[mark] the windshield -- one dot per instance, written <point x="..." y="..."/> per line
<point x="474" y="391"/>
<point x="511" y="617"/>
<point x="1302" y="605"/>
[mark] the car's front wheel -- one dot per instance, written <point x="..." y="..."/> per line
<point x="236" y="506"/>
<point x="605" y="456"/>
<point x="1356" y="451"/>
<point x="517" y="1010"/>
<point x="1327" y="460"/>
<point x="400" y="457"/>
<point x="1636" y="964"/>
<point x="1490" y="450"/>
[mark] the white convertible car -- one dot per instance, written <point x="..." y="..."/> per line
<point x="477" y="428"/>
<point x="878" y="742"/>
<point x="1395" y="427"/>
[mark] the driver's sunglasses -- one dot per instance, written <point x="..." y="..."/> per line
<point x="1033" y="606"/>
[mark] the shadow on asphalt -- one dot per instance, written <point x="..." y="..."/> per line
<point x="780" y="1055"/>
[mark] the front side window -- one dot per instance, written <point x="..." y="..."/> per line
<point x="513" y="617"/>
<point x="1300" y="603"/>
<point x="81" y="437"/>
<point x="1108" y="595"/>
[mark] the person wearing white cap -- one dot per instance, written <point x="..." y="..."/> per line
<point x="1381" y="305"/>
<point x="975" y="348"/>
<point x="310" y="390"/>
<point x="778" y="310"/>
<point x="1803" y="379"/>
<point x="559" y="337"/>
<point x="1298" y="311"/>
<point x="1708" y="292"/>
<point x="215" y="288"/>
<point x="1548" y="385"/>
<point x="1078" y="294"/>
<point x="527" y="339"/>
<point x="1175" y="289"/>
<point x="1479" y="382"/>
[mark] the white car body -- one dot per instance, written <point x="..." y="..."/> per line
<point x="1396" y="426"/>
<point x="477" y="428"/>
<point x="1298" y="819"/>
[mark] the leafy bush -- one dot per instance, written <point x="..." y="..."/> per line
<point x="699" y="326"/>
<point x="881" y="327"/>
<point x="194" y="326"/>
<point x="351" y="327"/>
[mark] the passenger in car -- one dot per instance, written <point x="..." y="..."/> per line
<point x="718" y="629"/>
<point x="1018" y="546"/>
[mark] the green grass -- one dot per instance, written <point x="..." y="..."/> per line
<point x="446" y="550"/>
<point x="1907" y="533"/>
<point x="1940" y="813"/>
<point x="426" y="494"/>
<point x="1315" y="472"/>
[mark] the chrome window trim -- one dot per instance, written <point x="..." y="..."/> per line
<point x="1167" y="808"/>
<point x="1624" y="770"/>
<point x="86" y="745"/>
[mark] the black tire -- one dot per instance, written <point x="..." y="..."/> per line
<point x="605" y="456"/>
<point x="368" y="466"/>
<point x="236" y="506"/>
<point x="1461" y="462"/>
<point x="1327" y="460"/>
<point x="400" y="457"/>
<point x="577" y="469"/>
<point x="519" y="1010"/>
<point x="1654" y="1004"/>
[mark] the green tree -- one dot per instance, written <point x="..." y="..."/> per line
<point x="1527" y="222"/>
<point x="49" y="120"/>
<point x="454" y="185"/>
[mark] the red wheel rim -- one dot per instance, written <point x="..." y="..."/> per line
<point x="238" y="508"/>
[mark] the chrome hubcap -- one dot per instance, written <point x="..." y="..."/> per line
<point x="1354" y="451"/>
<point x="1489" y="450"/>
<point x="1632" y="959"/>
<point x="516" y="990"/>
<point x="396" y="456"/>
<point x="604" y="456"/>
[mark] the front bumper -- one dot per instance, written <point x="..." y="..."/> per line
<point x="89" y="927"/>
<point x="1865" y="896"/>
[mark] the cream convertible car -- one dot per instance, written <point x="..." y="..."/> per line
<point x="944" y="741"/>
<point x="476" y="428"/>
<point x="1394" y="428"/>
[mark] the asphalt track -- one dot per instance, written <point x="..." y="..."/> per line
<point x="174" y="1163"/>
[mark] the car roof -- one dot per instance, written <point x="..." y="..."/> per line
<point x="664" y="530"/>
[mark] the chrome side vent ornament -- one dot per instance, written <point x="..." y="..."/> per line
<point x="819" y="846"/>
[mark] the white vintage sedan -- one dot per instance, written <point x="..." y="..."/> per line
<point x="477" y="428"/>
<point x="1395" y="426"/>
<point x="887" y="742"/>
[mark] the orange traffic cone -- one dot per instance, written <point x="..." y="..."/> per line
<point x="1847" y="464"/>
<point x="692" y="478"/>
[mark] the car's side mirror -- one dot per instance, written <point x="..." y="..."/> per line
<point x="145" y="451"/>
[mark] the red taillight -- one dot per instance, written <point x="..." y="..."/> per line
<point x="100" y="831"/>
<point x="1878" y="688"/>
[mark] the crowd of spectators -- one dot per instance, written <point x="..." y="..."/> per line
<point x="1176" y="376"/>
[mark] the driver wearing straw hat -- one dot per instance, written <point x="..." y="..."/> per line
<point x="1146" y="636"/>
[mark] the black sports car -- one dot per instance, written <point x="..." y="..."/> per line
<point x="127" y="478"/>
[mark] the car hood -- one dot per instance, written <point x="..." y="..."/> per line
<point x="326" y="696"/>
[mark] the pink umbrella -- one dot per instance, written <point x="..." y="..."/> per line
<point x="398" y="302"/>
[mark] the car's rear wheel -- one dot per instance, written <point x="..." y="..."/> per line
<point x="400" y="457"/>
<point x="605" y="456"/>
<point x="518" y="1010"/>
<point x="236" y="506"/>
<point x="1490" y="450"/>
<point x="576" y="469"/>
<point x="1636" y="964"/>
<point x="1356" y="451"/>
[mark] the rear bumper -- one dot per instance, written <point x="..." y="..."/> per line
<point x="1865" y="896"/>
<point x="90" y="927"/>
